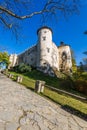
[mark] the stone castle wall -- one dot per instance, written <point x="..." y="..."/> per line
<point x="28" y="57"/>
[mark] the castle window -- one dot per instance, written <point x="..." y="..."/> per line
<point x="44" y="64"/>
<point x="31" y="59"/>
<point x="48" y="50"/>
<point x="44" y="31"/>
<point x="64" y="56"/>
<point x="44" y="38"/>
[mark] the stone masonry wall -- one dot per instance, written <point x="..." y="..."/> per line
<point x="29" y="56"/>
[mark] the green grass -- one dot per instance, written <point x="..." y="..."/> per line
<point x="65" y="101"/>
<point x="36" y="75"/>
<point x="51" y="81"/>
<point x="28" y="82"/>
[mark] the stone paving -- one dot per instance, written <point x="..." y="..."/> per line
<point x="22" y="109"/>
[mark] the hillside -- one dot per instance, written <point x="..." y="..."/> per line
<point x="61" y="83"/>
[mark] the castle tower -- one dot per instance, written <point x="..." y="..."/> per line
<point x="65" y="59"/>
<point x="44" y="47"/>
<point x="12" y="60"/>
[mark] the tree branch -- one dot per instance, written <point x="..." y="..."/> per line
<point x="13" y="9"/>
<point x="56" y="5"/>
<point x="22" y="17"/>
<point x="8" y="25"/>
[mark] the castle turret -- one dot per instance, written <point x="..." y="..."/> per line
<point x="47" y="51"/>
<point x="12" y="60"/>
<point x="44" y="47"/>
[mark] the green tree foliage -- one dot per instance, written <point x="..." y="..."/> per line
<point x="4" y="59"/>
<point x="74" y="67"/>
<point x="22" y="68"/>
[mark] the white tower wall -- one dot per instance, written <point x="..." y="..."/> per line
<point x="13" y="60"/>
<point x="55" y="56"/>
<point x="44" y="47"/>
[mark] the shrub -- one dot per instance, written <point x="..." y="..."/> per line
<point x="22" y="68"/>
<point x="67" y="84"/>
<point x="15" y="68"/>
<point x="81" y="85"/>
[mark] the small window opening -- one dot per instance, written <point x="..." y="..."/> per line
<point x="48" y="50"/>
<point x="44" y="31"/>
<point x="44" y="38"/>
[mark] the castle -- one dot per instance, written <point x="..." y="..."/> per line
<point x="45" y="55"/>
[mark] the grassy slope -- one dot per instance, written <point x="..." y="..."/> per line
<point x="76" y="106"/>
<point x="55" y="82"/>
<point x="64" y="100"/>
<point x="36" y="75"/>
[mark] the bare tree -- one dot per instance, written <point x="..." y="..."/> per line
<point x="13" y="10"/>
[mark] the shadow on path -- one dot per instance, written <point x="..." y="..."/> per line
<point x="70" y="109"/>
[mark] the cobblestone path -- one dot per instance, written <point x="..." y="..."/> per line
<point x="22" y="109"/>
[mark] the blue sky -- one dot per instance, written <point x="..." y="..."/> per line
<point x="70" y="30"/>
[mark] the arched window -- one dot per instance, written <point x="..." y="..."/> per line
<point x="64" y="56"/>
<point x="64" y="61"/>
<point x="48" y="50"/>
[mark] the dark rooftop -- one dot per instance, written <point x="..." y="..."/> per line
<point x="44" y="28"/>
